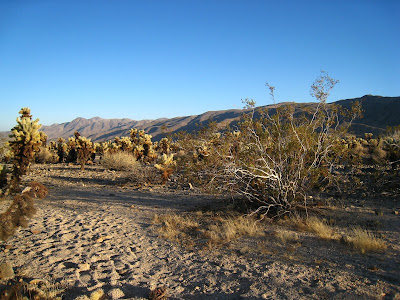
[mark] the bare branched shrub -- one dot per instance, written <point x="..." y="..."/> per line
<point x="277" y="156"/>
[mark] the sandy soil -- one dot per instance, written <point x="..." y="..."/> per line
<point x="94" y="230"/>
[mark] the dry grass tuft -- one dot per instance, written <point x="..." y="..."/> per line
<point x="205" y="230"/>
<point x="176" y="228"/>
<point x="365" y="241"/>
<point x="121" y="161"/>
<point x="227" y="229"/>
<point x="321" y="228"/>
<point x="285" y="236"/>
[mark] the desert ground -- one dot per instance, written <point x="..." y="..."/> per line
<point x="95" y="230"/>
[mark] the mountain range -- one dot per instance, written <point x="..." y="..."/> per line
<point x="379" y="113"/>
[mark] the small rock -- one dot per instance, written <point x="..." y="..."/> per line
<point x="396" y="212"/>
<point x="84" y="267"/>
<point x="116" y="294"/>
<point x="6" y="271"/>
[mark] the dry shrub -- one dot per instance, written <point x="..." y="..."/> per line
<point x="145" y="175"/>
<point x="120" y="161"/>
<point x="365" y="241"/>
<point x="45" y="156"/>
<point x="278" y="154"/>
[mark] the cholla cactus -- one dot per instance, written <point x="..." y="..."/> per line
<point x="126" y="144"/>
<point x="3" y="176"/>
<point x="26" y="141"/>
<point x="72" y="153"/>
<point x="43" y="138"/>
<point x="20" y="209"/>
<point x="133" y="135"/>
<point x="164" y="145"/>
<point x="62" y="150"/>
<point x="166" y="166"/>
<point x="85" y="150"/>
<point x="142" y="146"/>
<point x="202" y="152"/>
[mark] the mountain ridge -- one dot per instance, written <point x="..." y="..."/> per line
<point x="379" y="113"/>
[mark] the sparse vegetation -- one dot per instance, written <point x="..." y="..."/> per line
<point x="365" y="241"/>
<point x="204" y="230"/>
<point x="270" y="163"/>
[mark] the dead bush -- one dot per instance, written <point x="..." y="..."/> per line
<point x="120" y="161"/>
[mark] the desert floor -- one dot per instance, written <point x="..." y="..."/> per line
<point x="94" y="230"/>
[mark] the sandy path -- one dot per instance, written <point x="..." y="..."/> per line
<point x="88" y="236"/>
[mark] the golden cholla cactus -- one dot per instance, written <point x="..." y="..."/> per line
<point x="166" y="165"/>
<point x="85" y="150"/>
<point x="25" y="142"/>
<point x="25" y="112"/>
<point x="43" y="138"/>
<point x="133" y="135"/>
<point x="126" y="144"/>
<point x="164" y="145"/>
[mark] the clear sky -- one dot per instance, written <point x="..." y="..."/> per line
<point x="151" y="59"/>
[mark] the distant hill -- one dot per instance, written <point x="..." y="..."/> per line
<point x="379" y="112"/>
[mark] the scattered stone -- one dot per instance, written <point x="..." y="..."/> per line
<point x="84" y="267"/>
<point x="116" y="294"/>
<point x="6" y="271"/>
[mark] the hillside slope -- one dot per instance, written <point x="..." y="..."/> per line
<point x="379" y="112"/>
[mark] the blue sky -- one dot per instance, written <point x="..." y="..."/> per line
<point x="152" y="59"/>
